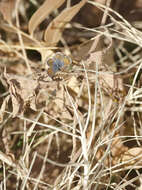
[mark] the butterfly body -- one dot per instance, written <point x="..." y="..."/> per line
<point x="57" y="65"/>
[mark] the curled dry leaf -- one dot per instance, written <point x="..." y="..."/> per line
<point x="108" y="80"/>
<point x="73" y="84"/>
<point x="22" y="92"/>
<point x="132" y="156"/>
<point x="7" y="159"/>
<point x="3" y="107"/>
<point x="54" y="30"/>
<point x="112" y="86"/>
<point x="45" y="9"/>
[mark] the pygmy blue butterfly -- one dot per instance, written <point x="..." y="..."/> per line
<point x="57" y="64"/>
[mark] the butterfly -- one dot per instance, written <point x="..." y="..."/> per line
<point x="58" y="64"/>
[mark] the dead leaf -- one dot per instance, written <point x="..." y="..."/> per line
<point x="54" y="30"/>
<point x="111" y="81"/>
<point x="22" y="92"/>
<point x="44" y="10"/>
<point x="133" y="156"/>
<point x="73" y="84"/>
<point x="3" y="107"/>
<point x="6" y="9"/>
<point x="7" y="159"/>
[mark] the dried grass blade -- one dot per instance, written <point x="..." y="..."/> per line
<point x="6" y="9"/>
<point x="44" y="10"/>
<point x="54" y="30"/>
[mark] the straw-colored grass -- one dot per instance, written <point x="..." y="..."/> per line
<point x="78" y="128"/>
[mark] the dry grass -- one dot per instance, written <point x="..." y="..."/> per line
<point x="82" y="130"/>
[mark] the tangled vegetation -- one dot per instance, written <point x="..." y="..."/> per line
<point x="70" y="95"/>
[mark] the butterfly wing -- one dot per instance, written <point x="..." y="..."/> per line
<point x="57" y="64"/>
<point x="50" y="70"/>
<point x="65" y="61"/>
